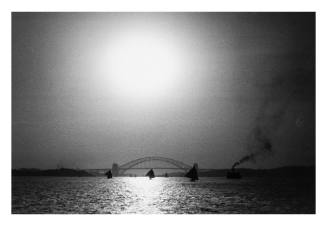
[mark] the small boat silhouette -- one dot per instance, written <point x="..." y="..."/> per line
<point x="150" y="174"/>
<point x="232" y="174"/>
<point x="193" y="173"/>
<point x="108" y="174"/>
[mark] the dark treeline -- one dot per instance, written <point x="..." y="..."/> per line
<point x="62" y="172"/>
<point x="288" y="171"/>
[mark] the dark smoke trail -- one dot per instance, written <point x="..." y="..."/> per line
<point x="259" y="147"/>
<point x="279" y="94"/>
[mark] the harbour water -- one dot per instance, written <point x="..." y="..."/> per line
<point x="173" y="195"/>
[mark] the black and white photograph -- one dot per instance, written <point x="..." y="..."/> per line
<point x="163" y="112"/>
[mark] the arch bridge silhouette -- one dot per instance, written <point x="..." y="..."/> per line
<point x="136" y="164"/>
<point x="178" y="165"/>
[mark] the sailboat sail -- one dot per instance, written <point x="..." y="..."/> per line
<point x="193" y="174"/>
<point x="150" y="174"/>
<point x="108" y="174"/>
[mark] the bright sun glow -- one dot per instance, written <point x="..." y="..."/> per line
<point x="143" y="65"/>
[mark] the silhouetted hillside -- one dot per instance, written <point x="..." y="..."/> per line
<point x="288" y="171"/>
<point x="62" y="172"/>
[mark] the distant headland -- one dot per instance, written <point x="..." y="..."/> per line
<point x="61" y="172"/>
<point x="287" y="171"/>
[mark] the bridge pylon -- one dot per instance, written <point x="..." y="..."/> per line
<point x="115" y="170"/>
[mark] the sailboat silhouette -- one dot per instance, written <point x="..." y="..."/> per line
<point x="150" y="174"/>
<point x="193" y="173"/>
<point x="108" y="174"/>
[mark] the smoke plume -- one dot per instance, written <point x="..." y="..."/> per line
<point x="279" y="93"/>
<point x="260" y="146"/>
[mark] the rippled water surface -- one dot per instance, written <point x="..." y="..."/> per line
<point x="160" y="195"/>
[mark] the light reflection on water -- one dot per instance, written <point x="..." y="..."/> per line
<point x="160" y="195"/>
<point x="146" y="193"/>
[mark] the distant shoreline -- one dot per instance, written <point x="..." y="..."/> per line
<point x="62" y="172"/>
<point x="287" y="171"/>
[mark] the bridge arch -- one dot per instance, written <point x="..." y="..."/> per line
<point x="131" y="164"/>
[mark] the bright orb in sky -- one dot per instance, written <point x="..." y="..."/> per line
<point x="143" y="65"/>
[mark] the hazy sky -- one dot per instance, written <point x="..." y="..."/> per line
<point x="234" y="74"/>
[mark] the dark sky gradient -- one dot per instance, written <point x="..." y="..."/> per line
<point x="245" y="71"/>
